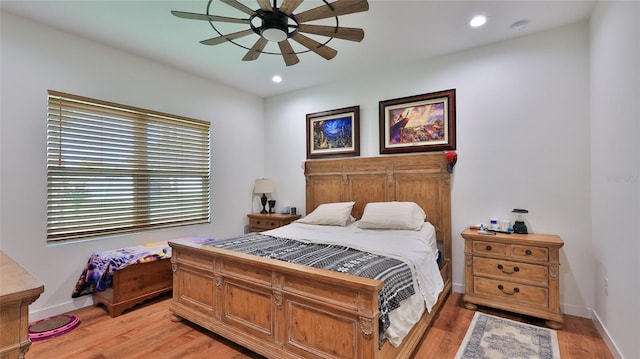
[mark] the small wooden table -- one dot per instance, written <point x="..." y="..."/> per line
<point x="18" y="289"/>
<point x="514" y="272"/>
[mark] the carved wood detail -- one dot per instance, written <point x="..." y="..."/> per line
<point x="554" y="270"/>
<point x="277" y="298"/>
<point x="366" y="326"/>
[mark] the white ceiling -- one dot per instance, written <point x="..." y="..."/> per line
<point x="396" y="33"/>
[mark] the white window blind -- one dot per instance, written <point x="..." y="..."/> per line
<point x="117" y="169"/>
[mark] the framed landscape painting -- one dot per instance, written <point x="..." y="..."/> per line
<point x="334" y="133"/>
<point x="418" y="123"/>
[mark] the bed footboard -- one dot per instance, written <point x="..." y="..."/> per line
<point x="276" y="309"/>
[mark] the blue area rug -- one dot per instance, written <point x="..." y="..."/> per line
<point x="490" y="337"/>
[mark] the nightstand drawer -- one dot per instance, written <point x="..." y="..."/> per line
<point x="530" y="253"/>
<point x="482" y="247"/>
<point x="263" y="223"/>
<point x="512" y="271"/>
<point x="511" y="292"/>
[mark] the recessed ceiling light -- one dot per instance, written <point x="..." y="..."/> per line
<point x="277" y="79"/>
<point x="478" y="21"/>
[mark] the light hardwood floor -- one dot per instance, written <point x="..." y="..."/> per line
<point x="147" y="331"/>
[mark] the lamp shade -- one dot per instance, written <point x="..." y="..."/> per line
<point x="263" y="185"/>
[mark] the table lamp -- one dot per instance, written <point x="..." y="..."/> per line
<point x="264" y="186"/>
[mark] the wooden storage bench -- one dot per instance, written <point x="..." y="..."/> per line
<point x="121" y="278"/>
<point x="134" y="284"/>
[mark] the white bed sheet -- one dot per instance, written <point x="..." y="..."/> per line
<point x="416" y="248"/>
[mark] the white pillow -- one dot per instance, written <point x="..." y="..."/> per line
<point x="329" y="214"/>
<point x="392" y="215"/>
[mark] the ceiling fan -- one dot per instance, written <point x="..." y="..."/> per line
<point x="273" y="23"/>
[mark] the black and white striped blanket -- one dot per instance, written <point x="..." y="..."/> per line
<point x="396" y="274"/>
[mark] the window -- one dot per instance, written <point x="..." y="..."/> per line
<point x="115" y="169"/>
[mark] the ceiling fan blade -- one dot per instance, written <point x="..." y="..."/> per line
<point x="345" y="33"/>
<point x="340" y="7"/>
<point x="239" y="6"/>
<point x="289" y="56"/>
<point x="320" y="49"/>
<point x="195" y="16"/>
<point x="265" y="5"/>
<point x="232" y="36"/>
<point x="288" y="6"/>
<point x="256" y="49"/>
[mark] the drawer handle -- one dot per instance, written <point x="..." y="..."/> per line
<point x="273" y="223"/>
<point x="258" y="222"/>
<point x="528" y="252"/>
<point x="515" y="269"/>
<point x="488" y="247"/>
<point x="515" y="290"/>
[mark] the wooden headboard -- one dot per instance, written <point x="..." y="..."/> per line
<point x="420" y="178"/>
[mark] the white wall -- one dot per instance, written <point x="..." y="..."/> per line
<point x="528" y="136"/>
<point x="522" y="134"/>
<point x="34" y="59"/>
<point x="615" y="172"/>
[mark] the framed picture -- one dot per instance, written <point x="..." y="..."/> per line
<point x="419" y="123"/>
<point x="334" y="133"/>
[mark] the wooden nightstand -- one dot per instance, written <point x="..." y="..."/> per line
<point x="259" y="222"/>
<point x="514" y="272"/>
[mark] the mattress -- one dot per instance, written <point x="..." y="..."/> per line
<point x="416" y="248"/>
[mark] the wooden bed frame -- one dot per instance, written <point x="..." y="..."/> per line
<point x="284" y="310"/>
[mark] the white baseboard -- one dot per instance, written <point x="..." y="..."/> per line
<point x="578" y="311"/>
<point x="613" y="348"/>
<point x="76" y="303"/>
<point x="458" y="288"/>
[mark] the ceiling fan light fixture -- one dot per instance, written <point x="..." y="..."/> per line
<point x="274" y="34"/>
<point x="275" y="27"/>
